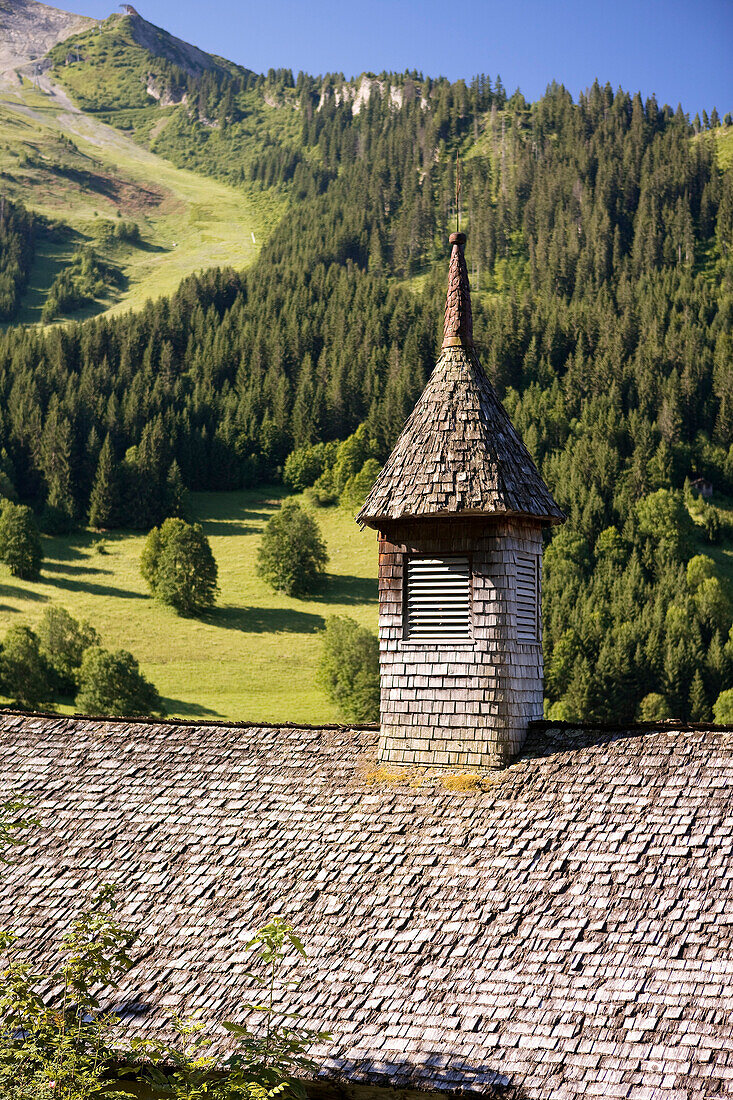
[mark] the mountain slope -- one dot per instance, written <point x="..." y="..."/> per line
<point x="121" y="62"/>
<point x="83" y="177"/>
<point x="28" y="30"/>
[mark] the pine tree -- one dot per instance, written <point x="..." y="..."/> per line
<point x="105" y="499"/>
<point x="699" y="706"/>
<point x="59" y="512"/>
<point x="176" y="493"/>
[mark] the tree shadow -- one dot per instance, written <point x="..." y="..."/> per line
<point x="64" y="551"/>
<point x="265" y="620"/>
<point x="23" y="594"/>
<point x="184" y="709"/>
<point x="400" y="1079"/>
<point x="546" y="738"/>
<point x="224" y="528"/>
<point x="342" y="588"/>
<point x="62" y="567"/>
<point x="148" y="246"/>
<point x="96" y="589"/>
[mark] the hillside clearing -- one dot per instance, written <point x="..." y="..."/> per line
<point x="76" y="170"/>
<point x="254" y="658"/>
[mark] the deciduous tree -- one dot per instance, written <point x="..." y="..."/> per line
<point x="292" y="555"/>
<point x="179" y="567"/>
<point x="20" y="542"/>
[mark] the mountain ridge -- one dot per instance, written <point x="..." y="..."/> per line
<point x="28" y="30"/>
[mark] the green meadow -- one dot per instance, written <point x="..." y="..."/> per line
<point x="255" y="656"/>
<point x="80" y="174"/>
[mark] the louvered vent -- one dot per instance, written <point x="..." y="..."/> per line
<point x="438" y="600"/>
<point x="528" y="604"/>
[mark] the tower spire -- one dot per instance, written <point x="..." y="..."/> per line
<point x="458" y="324"/>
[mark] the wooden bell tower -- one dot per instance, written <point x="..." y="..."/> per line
<point x="459" y="507"/>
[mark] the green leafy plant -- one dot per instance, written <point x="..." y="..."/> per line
<point x="20" y="542"/>
<point x="13" y="825"/>
<point x="179" y="567"/>
<point x="275" y="1055"/>
<point x="67" y="1046"/>
<point x="63" y="1049"/>
<point x="267" y="1060"/>
<point x="723" y="708"/>
<point x="63" y="642"/>
<point x="349" y="668"/>
<point x="25" y="676"/>
<point x="112" y="683"/>
<point x="355" y="491"/>
<point x="292" y="555"/>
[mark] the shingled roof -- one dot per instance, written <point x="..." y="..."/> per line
<point x="564" y="932"/>
<point x="458" y="453"/>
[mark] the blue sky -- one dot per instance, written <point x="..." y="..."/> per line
<point x="681" y="50"/>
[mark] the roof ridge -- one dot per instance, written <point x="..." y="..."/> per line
<point x="121" y="720"/>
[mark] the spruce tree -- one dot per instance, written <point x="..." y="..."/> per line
<point x="55" y="447"/>
<point x="176" y="493"/>
<point x="699" y="707"/>
<point x="105" y="499"/>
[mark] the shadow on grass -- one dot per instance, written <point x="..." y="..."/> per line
<point x="64" y="551"/>
<point x="62" y="567"/>
<point x="148" y="246"/>
<point x="22" y="594"/>
<point x="180" y="708"/>
<point x="265" y="620"/>
<point x="96" y="589"/>
<point x="341" y="588"/>
<point x="217" y="528"/>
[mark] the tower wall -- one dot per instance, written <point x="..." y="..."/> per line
<point x="466" y="704"/>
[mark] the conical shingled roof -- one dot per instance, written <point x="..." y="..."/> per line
<point x="458" y="453"/>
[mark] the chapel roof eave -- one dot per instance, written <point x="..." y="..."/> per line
<point x="377" y="522"/>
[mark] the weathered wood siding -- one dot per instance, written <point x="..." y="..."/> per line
<point x="465" y="704"/>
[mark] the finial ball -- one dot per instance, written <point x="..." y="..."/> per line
<point x="457" y="238"/>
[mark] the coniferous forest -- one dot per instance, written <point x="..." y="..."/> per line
<point x="600" y="246"/>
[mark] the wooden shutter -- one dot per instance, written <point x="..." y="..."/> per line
<point x="437" y="600"/>
<point x="528" y="602"/>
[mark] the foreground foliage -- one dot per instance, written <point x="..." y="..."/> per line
<point x="59" y="1038"/>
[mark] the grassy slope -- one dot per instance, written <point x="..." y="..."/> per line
<point x="188" y="221"/>
<point x="255" y="656"/>
<point x="724" y="138"/>
<point x="722" y="552"/>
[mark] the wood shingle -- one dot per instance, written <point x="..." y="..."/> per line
<point x="565" y="931"/>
